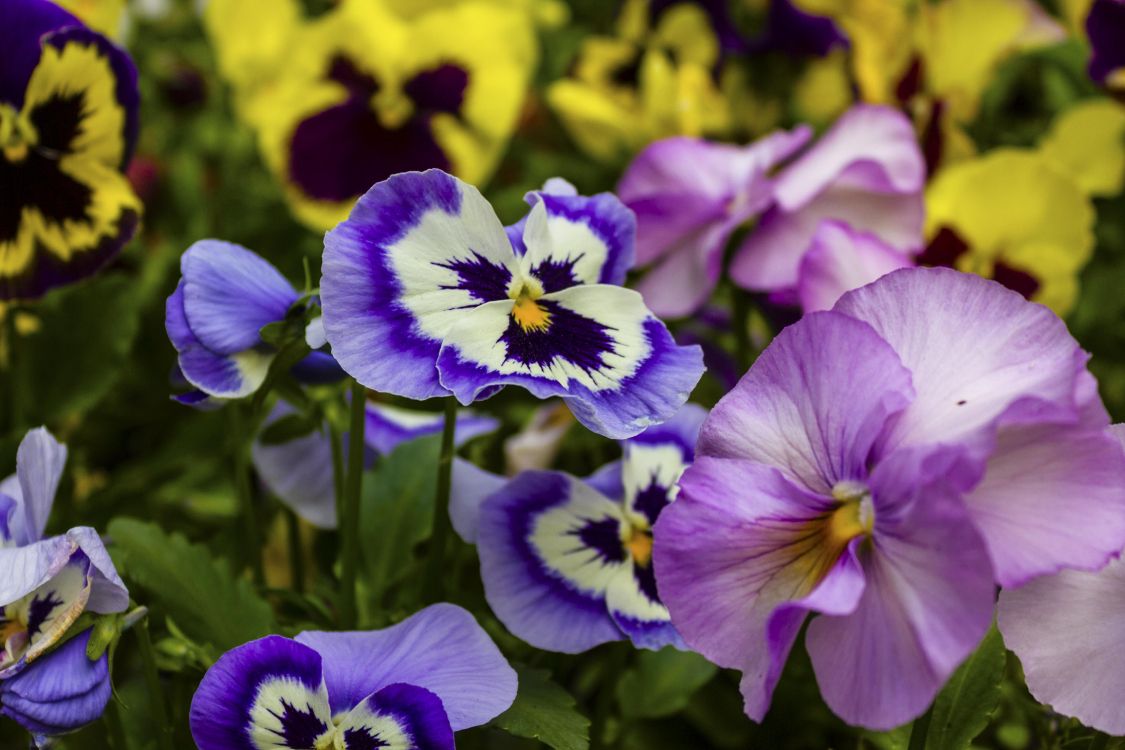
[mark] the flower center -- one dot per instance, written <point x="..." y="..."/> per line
<point x="17" y="134"/>
<point x="13" y="633"/>
<point x="854" y="516"/>
<point x="528" y="312"/>
<point x="639" y="545"/>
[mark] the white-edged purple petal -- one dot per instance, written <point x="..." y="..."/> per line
<point x="440" y="648"/>
<point x="927" y="602"/>
<point x="417" y="252"/>
<point x="269" y="693"/>
<point x="574" y="239"/>
<point x="635" y="607"/>
<point x="1018" y="365"/>
<point x="42" y="617"/>
<point x="61" y="692"/>
<point x="840" y="259"/>
<point x="28" y="568"/>
<point x="653" y="461"/>
<point x="397" y="717"/>
<point x="389" y="426"/>
<point x="1053" y="497"/>
<point x="549" y="547"/>
<point x="1066" y="629"/>
<point x="39" y="466"/>
<point x="230" y="293"/>
<point x="471" y="486"/>
<point x="814" y="404"/>
<point x="597" y="346"/>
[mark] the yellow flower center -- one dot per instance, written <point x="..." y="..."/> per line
<point x="393" y="107"/>
<point x="527" y="312"/>
<point x="17" y="134"/>
<point x="640" y="546"/>
<point x="853" y="517"/>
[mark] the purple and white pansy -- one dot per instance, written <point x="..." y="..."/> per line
<point x="45" y="585"/>
<point x="299" y="471"/>
<point x="425" y="294"/>
<point x="884" y="465"/>
<point x="567" y="562"/>
<point x="214" y="317"/>
<point x="408" y="687"/>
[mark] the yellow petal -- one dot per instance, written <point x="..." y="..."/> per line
<point x="1087" y="143"/>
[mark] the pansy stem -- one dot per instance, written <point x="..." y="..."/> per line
<point x="439" y="535"/>
<point x="155" y="691"/>
<point x="245" y="494"/>
<point x="296" y="558"/>
<point x="349" y="520"/>
<point x="338" y="478"/>
<point x="920" y="729"/>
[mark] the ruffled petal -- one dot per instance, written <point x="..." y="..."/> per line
<point x="417" y="253"/>
<point x="839" y="260"/>
<point x="440" y="648"/>
<point x="549" y="547"/>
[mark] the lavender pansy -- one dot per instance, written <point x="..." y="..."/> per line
<point x="424" y="295"/>
<point x="882" y="465"/>
<point x="867" y="171"/>
<point x="45" y="585"/>
<point x="214" y="317"/>
<point x="840" y="259"/>
<point x="689" y="196"/>
<point x="566" y="562"/>
<point x="1066" y="630"/>
<point x="409" y="686"/>
<point x="299" y="471"/>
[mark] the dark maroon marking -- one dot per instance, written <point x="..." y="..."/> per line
<point x="944" y="249"/>
<point x="1015" y="279"/>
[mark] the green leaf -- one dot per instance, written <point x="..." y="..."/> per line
<point x="661" y="683"/>
<point x="966" y="703"/>
<point x="287" y="428"/>
<point x="397" y="509"/>
<point x="544" y="711"/>
<point x="199" y="592"/>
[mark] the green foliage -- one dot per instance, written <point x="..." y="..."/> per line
<point x="661" y="683"/>
<point x="546" y="712"/>
<point x="963" y="708"/>
<point x="190" y="585"/>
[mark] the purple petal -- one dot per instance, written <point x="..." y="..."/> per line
<point x="25" y="23"/>
<point x="299" y="472"/>
<point x="28" y="568"/>
<point x="266" y="693"/>
<point x="549" y="547"/>
<point x="682" y="281"/>
<point x="637" y="610"/>
<point x="617" y="367"/>
<point x="390" y="426"/>
<point x="441" y="648"/>
<point x="814" y="403"/>
<point x="1019" y="365"/>
<point x="574" y="239"/>
<point x="229" y="293"/>
<point x="471" y="487"/>
<point x="927" y="603"/>
<point x="654" y="460"/>
<point x="839" y="260"/>
<point x="1105" y="26"/>
<point x="735" y="547"/>
<point x="416" y="254"/>
<point x="1066" y="630"/>
<point x="398" y="716"/>
<point x="1016" y="507"/>
<point x="61" y="692"/>
<point x="39" y="465"/>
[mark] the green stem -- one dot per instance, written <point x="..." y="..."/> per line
<point x="337" y="469"/>
<point x="920" y="729"/>
<point x="155" y="691"/>
<point x="245" y="495"/>
<point x="296" y="558"/>
<point x="114" y="728"/>
<point x="435" y="572"/>
<point x="349" y="520"/>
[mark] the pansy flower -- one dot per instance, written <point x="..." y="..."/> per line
<point x="45" y="585"/>
<point x="68" y="120"/>
<point x="214" y="318"/>
<point x="655" y="78"/>
<point x="1105" y="27"/>
<point x="866" y="171"/>
<point x="425" y="295"/>
<point x="883" y="465"/>
<point x="567" y="562"/>
<point x="299" y="471"/>
<point x="361" y="93"/>
<point x="1067" y="631"/>
<point x="409" y="686"/>
<point x="690" y="195"/>
<point x="1012" y="216"/>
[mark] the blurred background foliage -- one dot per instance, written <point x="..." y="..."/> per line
<point x="92" y="361"/>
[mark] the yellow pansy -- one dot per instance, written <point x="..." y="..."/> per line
<point x="1010" y="215"/>
<point x="647" y="82"/>
<point x="1087" y="143"/>
<point x="103" y="16"/>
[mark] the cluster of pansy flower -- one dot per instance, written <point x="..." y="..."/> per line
<point x="346" y="99"/>
<point x="52" y="678"/>
<point x="68" y="122"/>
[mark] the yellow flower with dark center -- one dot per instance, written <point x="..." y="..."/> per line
<point x="343" y="101"/>
<point x="68" y="104"/>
